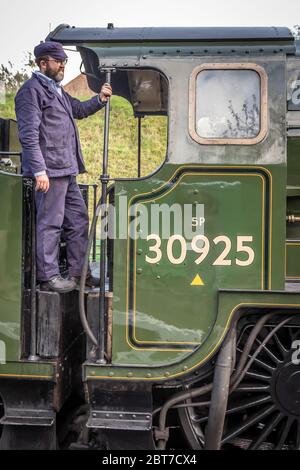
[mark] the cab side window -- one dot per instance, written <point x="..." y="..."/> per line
<point x="228" y="104"/>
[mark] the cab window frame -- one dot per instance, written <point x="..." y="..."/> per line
<point x="263" y="104"/>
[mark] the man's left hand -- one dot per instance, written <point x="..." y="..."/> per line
<point x="105" y="93"/>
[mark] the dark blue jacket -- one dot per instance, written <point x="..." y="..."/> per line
<point x="47" y="129"/>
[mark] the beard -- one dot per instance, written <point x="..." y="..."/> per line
<point x="56" y="76"/>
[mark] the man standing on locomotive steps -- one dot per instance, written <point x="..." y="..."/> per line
<point x="51" y="153"/>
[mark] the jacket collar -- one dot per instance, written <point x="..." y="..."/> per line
<point x="46" y="84"/>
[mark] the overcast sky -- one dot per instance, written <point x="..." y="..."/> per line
<point x="24" y="23"/>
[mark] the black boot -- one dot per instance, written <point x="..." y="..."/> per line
<point x="91" y="281"/>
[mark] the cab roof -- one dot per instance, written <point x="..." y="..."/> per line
<point x="127" y="50"/>
<point x="67" y="34"/>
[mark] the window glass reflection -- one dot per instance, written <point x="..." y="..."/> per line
<point x="228" y="104"/>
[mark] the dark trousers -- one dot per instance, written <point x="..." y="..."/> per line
<point x="62" y="207"/>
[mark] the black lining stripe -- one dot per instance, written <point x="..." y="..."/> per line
<point x="161" y="191"/>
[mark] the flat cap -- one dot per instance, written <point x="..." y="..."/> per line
<point x="51" y="48"/>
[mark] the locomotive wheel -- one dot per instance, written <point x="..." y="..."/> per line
<point x="263" y="412"/>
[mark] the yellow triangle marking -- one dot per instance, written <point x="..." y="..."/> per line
<point x="197" y="281"/>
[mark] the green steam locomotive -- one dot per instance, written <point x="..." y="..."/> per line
<point x="194" y="333"/>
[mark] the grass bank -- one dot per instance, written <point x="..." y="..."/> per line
<point x="123" y="141"/>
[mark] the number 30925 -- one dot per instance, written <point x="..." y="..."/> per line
<point x="201" y="245"/>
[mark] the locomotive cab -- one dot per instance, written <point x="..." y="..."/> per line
<point x="198" y="260"/>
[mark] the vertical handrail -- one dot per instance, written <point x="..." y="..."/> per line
<point x="104" y="178"/>
<point x="139" y="144"/>
<point x="94" y="212"/>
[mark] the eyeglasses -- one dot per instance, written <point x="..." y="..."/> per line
<point x="58" y="61"/>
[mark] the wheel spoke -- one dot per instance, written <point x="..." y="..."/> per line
<point x="250" y="422"/>
<point x="269" y="352"/>
<point x="263" y="365"/>
<point x="298" y="436"/>
<point x="284" y="433"/>
<point x="251" y="388"/>
<point x="248" y="404"/>
<point x="280" y="345"/>
<point x="266" y="431"/>
<point x="258" y="376"/>
<point x="200" y="420"/>
<point x="291" y="332"/>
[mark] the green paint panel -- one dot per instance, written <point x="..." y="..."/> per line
<point x="229" y="304"/>
<point x="186" y="313"/>
<point x="293" y="168"/>
<point x="11" y="265"/>
<point x="159" y="317"/>
<point x="23" y="369"/>
<point x="292" y="260"/>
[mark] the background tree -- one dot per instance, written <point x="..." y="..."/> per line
<point x="11" y="78"/>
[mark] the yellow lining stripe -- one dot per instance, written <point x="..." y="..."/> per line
<point x="174" y="186"/>
<point x="154" y="199"/>
<point x="28" y="376"/>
